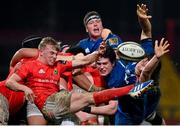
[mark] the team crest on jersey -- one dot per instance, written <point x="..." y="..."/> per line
<point x="41" y="71"/>
<point x="113" y="41"/>
<point x="56" y="71"/>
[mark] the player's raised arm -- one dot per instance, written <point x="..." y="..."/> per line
<point x="144" y="22"/>
<point x="160" y="48"/>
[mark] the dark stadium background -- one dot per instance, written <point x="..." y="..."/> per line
<point x="62" y="19"/>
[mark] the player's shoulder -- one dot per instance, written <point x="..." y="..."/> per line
<point x="112" y="35"/>
<point x="84" y="40"/>
<point x="31" y="62"/>
<point x="27" y="59"/>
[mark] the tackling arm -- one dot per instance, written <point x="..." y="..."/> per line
<point x="90" y="58"/>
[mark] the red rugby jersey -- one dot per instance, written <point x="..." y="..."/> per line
<point x="42" y="79"/>
<point x="15" y="99"/>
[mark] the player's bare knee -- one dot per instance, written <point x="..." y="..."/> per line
<point x="85" y="98"/>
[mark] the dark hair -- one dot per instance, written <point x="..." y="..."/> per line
<point x="31" y="41"/>
<point x="90" y="15"/>
<point x="110" y="54"/>
<point x="75" y="50"/>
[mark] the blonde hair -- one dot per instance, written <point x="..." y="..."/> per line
<point x="48" y="41"/>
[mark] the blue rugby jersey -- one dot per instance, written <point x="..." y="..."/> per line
<point x="121" y="75"/>
<point x="90" y="45"/>
<point x="148" y="46"/>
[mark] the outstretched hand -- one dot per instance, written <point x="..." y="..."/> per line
<point x="105" y="33"/>
<point x="161" y="48"/>
<point x="142" y="11"/>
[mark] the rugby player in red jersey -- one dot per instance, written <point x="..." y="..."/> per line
<point x="42" y="76"/>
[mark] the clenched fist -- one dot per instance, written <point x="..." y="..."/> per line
<point x="105" y="33"/>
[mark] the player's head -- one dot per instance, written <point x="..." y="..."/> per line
<point x="49" y="48"/>
<point x="93" y="24"/>
<point x="106" y="62"/>
<point x="91" y="15"/>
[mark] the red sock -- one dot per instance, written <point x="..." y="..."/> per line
<point x="109" y="94"/>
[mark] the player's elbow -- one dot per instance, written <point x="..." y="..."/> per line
<point x="21" y="51"/>
<point x="9" y="83"/>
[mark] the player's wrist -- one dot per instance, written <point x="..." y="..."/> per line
<point x="157" y="57"/>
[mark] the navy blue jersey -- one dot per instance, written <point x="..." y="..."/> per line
<point x="121" y="75"/>
<point x="148" y="46"/>
<point x="116" y="77"/>
<point x="90" y="45"/>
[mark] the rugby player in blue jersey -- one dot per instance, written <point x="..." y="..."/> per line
<point x="94" y="27"/>
<point x="122" y="72"/>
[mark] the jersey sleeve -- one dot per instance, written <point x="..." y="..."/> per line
<point x="23" y="70"/>
<point x="82" y="43"/>
<point x="113" y="40"/>
<point x="65" y="66"/>
<point x="148" y="46"/>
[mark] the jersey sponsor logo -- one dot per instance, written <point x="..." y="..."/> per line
<point x="41" y="71"/>
<point x="46" y="81"/>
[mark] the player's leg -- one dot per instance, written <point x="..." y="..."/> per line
<point x="79" y="100"/>
<point x="4" y="110"/>
<point x="34" y="115"/>
<point x="61" y="105"/>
